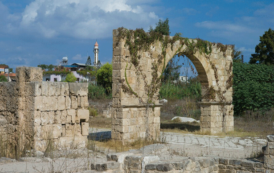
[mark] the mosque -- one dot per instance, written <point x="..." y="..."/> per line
<point x="57" y="76"/>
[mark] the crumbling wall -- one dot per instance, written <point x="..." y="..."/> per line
<point x="60" y="114"/>
<point x="36" y="114"/>
<point x="139" y="60"/>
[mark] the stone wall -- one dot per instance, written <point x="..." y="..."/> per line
<point x="36" y="114"/>
<point x="132" y="83"/>
<point x="133" y="161"/>
<point x="131" y="123"/>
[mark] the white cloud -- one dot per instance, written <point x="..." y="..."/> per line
<point x="244" y="29"/>
<point x="78" y="57"/>
<point x="88" y="19"/>
<point x="246" y="50"/>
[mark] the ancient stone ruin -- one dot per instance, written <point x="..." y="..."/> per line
<point x="36" y="114"/>
<point x="139" y="59"/>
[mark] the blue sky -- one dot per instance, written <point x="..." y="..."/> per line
<point x="36" y="32"/>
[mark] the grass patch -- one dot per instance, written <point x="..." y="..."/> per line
<point x="100" y="122"/>
<point x="118" y="146"/>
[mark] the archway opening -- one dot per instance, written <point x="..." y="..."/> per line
<point x="182" y="83"/>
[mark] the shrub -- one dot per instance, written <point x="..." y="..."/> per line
<point x="253" y="86"/>
<point x="70" y="78"/>
<point x="3" y="78"/>
<point x="104" y="77"/>
<point x="180" y="91"/>
<point x="92" y="112"/>
<point x="97" y="92"/>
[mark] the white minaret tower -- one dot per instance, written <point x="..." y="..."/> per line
<point x="96" y="52"/>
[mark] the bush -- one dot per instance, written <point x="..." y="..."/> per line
<point x="180" y="91"/>
<point x="70" y="78"/>
<point x="253" y="86"/>
<point x="104" y="77"/>
<point x="92" y="112"/>
<point x="3" y="78"/>
<point x="97" y="92"/>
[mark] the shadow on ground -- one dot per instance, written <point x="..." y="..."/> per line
<point x="181" y="126"/>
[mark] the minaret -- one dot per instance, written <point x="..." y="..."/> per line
<point x="96" y="52"/>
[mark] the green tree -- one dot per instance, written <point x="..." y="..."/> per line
<point x="104" y="77"/>
<point x="70" y="78"/>
<point x="237" y="56"/>
<point x="11" y="70"/>
<point x="43" y="66"/>
<point x="3" y="78"/>
<point x="50" y="67"/>
<point x="264" y="50"/>
<point x="161" y="27"/>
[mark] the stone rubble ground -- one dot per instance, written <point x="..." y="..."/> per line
<point x="176" y="147"/>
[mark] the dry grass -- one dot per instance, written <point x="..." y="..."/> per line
<point x="117" y="146"/>
<point x="100" y="122"/>
<point x="236" y="133"/>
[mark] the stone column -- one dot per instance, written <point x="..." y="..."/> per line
<point x="269" y="153"/>
<point x="216" y="117"/>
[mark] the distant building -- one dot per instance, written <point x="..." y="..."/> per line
<point x="182" y="79"/>
<point x="4" y="70"/>
<point x="58" y="77"/>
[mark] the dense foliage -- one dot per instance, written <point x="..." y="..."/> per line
<point x="181" y="90"/>
<point x="3" y="78"/>
<point x="104" y="77"/>
<point x="70" y="78"/>
<point x="161" y="27"/>
<point x="253" y="86"/>
<point x="46" y="67"/>
<point x="265" y="49"/>
<point x="97" y="92"/>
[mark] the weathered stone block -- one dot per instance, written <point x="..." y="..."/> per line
<point x="82" y="114"/>
<point x="74" y="102"/>
<point x="57" y="117"/>
<point x="64" y="91"/>
<point x="85" y="128"/>
<point x="72" y="114"/>
<point x="61" y="102"/>
<point x="78" y="89"/>
<point x="64" y="117"/>
<point x="45" y="88"/>
<point x="68" y="102"/>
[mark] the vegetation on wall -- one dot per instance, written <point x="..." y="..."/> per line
<point x="140" y="40"/>
<point x="3" y="78"/>
<point x="62" y="72"/>
<point x="253" y="86"/>
<point x="265" y="49"/>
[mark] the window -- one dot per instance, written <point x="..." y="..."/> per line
<point x="55" y="79"/>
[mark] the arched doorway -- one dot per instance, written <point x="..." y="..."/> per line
<point x="139" y="59"/>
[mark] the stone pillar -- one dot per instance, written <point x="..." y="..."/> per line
<point x="130" y="123"/>
<point x="216" y="117"/>
<point x="269" y="153"/>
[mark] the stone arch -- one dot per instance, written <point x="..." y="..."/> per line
<point x="137" y="69"/>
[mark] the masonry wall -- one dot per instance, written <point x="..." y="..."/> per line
<point x="34" y="114"/>
<point x="131" y="123"/>
<point x="60" y="114"/>
<point x="134" y="82"/>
